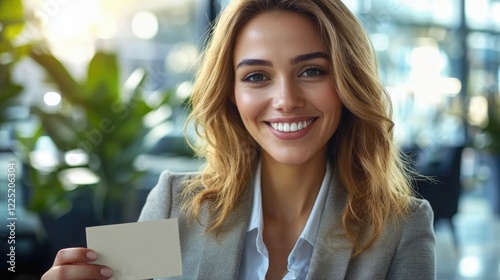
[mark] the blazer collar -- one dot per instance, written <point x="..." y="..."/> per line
<point x="333" y="249"/>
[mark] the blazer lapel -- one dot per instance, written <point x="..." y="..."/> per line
<point x="333" y="249"/>
<point x="221" y="252"/>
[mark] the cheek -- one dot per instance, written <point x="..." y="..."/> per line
<point x="249" y="105"/>
<point x="328" y="101"/>
<point x="331" y="105"/>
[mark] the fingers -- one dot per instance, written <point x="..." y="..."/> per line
<point x="74" y="255"/>
<point x="73" y="264"/>
<point x="78" y="271"/>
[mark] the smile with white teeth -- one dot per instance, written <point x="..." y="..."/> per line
<point x="291" y="127"/>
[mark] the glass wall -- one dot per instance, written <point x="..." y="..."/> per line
<point x="438" y="62"/>
<point x="420" y="58"/>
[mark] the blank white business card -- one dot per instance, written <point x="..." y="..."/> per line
<point x="140" y="250"/>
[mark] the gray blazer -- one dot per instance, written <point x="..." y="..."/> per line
<point x="405" y="249"/>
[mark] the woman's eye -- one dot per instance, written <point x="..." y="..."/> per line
<point x="312" y="72"/>
<point x="255" y="78"/>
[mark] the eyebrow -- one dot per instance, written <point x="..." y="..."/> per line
<point x="254" y="62"/>
<point x="295" y="60"/>
<point x="309" y="56"/>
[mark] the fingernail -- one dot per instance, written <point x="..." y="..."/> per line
<point x="106" y="272"/>
<point x="92" y="255"/>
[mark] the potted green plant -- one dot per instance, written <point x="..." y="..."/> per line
<point x="99" y="117"/>
<point x="109" y="130"/>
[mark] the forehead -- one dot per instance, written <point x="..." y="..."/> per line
<point x="286" y="31"/>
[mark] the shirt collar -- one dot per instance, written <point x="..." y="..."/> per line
<point x="311" y="228"/>
<point x="256" y="219"/>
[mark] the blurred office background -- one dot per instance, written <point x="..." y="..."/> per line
<point x="93" y="101"/>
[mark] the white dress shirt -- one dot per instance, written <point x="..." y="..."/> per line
<point x="255" y="257"/>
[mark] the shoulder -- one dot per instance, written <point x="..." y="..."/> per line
<point x="173" y="181"/>
<point x="418" y="216"/>
<point x="164" y="200"/>
<point x="419" y="212"/>
<point x="408" y="243"/>
<point x="414" y="254"/>
<point x="418" y="224"/>
<point x="414" y="226"/>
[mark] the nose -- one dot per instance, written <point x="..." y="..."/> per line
<point x="287" y="96"/>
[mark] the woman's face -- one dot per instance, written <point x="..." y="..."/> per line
<point x="283" y="88"/>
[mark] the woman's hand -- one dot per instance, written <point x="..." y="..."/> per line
<point x="73" y="264"/>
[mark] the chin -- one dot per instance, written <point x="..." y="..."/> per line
<point x="293" y="155"/>
<point x="290" y="158"/>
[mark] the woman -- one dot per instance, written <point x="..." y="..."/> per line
<point x="302" y="179"/>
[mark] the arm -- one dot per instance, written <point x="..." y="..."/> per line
<point x="415" y="255"/>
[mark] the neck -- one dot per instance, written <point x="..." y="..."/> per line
<point x="289" y="191"/>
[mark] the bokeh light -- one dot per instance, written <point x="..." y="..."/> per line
<point x="52" y="98"/>
<point x="144" y="25"/>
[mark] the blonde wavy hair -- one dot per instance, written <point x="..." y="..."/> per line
<point x="372" y="171"/>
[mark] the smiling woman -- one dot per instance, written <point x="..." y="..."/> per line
<point x="302" y="177"/>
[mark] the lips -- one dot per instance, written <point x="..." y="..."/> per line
<point x="290" y="126"/>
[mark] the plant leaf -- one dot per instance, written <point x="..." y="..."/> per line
<point x="11" y="10"/>
<point x="69" y="88"/>
<point x="60" y="129"/>
<point x="103" y="78"/>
